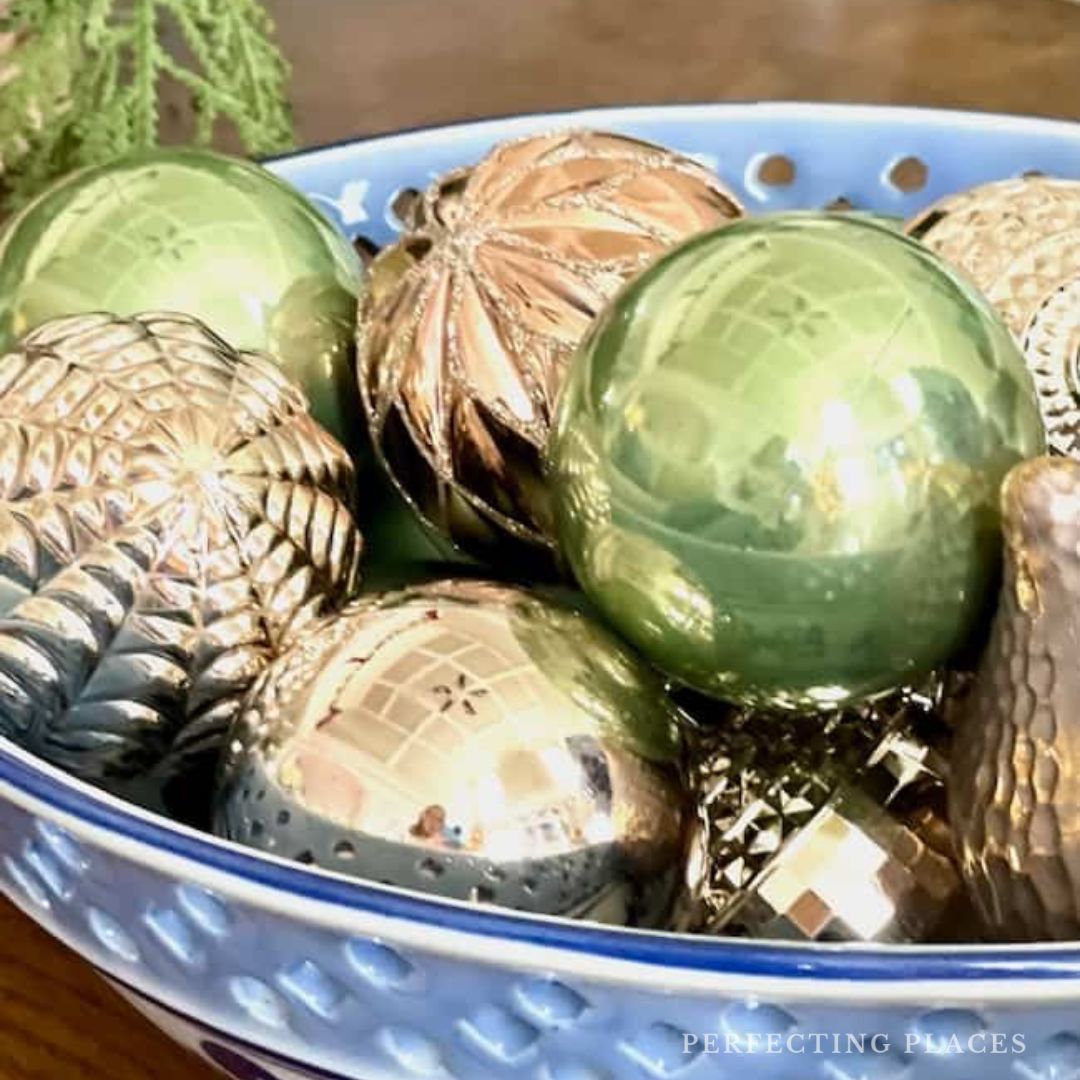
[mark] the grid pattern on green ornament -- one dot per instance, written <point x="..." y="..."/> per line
<point x="764" y="320"/>
<point x="176" y="222"/>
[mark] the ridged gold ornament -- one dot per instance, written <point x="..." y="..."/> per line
<point x="465" y="336"/>
<point x="170" y="515"/>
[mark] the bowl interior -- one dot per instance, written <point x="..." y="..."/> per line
<point x="776" y="156"/>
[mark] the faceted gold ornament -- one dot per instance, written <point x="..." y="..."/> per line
<point x="1019" y="241"/>
<point x="170" y="515"/>
<point x="821" y="827"/>
<point x="470" y="740"/>
<point x="472" y="316"/>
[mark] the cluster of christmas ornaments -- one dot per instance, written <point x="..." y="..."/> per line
<point x="778" y="456"/>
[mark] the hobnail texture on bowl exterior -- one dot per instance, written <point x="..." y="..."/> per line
<point x="276" y="973"/>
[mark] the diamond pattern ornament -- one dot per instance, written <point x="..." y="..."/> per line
<point x="821" y="828"/>
<point x="170" y="516"/>
<point x="473" y="315"/>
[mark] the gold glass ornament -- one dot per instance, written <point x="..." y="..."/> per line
<point x="472" y="316"/>
<point x="169" y="516"/>
<point x="983" y="229"/>
<point x="470" y="740"/>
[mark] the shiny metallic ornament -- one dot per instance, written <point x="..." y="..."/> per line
<point x="1015" y="791"/>
<point x="472" y="316"/>
<point x="470" y="740"/>
<point x="218" y="238"/>
<point x="169" y="516"/>
<point x="982" y="230"/>
<point x="820" y="828"/>
<point x="1019" y="241"/>
<point x="776" y="460"/>
<point x="1038" y="295"/>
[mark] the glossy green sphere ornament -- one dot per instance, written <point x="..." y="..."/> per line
<point x="218" y="238"/>
<point x="777" y="457"/>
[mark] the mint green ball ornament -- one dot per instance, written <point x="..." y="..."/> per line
<point x="777" y="458"/>
<point x="196" y="232"/>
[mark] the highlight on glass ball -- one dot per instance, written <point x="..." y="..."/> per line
<point x="215" y="237"/>
<point x="777" y="459"/>
<point x="780" y="507"/>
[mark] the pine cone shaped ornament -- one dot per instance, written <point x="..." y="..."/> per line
<point x="1015" y="789"/>
<point x="170" y="515"/>
<point x="472" y="317"/>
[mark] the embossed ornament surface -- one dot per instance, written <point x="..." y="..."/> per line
<point x="776" y="461"/>
<point x="822" y="827"/>
<point x="472" y="317"/>
<point x="169" y="515"/>
<point x="1019" y="241"/>
<point x="212" y="236"/>
<point x="1015" y="794"/>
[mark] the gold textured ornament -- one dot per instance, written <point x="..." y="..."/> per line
<point x="470" y="740"/>
<point x="822" y="828"/>
<point x="466" y="333"/>
<point x="169" y="516"/>
<point x="1015" y="789"/>
<point x="1037" y="294"/>
<point x="1019" y="241"/>
<point x="983" y="229"/>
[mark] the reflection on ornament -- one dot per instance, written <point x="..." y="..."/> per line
<point x="465" y="336"/>
<point x="1015" y="793"/>
<point x="188" y="230"/>
<point x="469" y="740"/>
<point x="803" y="419"/>
<point x="171" y="515"/>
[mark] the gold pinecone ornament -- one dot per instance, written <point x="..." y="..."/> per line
<point x="170" y="517"/>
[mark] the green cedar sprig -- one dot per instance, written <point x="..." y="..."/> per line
<point x="89" y="75"/>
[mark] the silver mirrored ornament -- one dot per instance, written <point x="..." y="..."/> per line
<point x="470" y="740"/>
<point x="169" y="515"/>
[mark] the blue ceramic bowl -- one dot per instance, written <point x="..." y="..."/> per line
<point x="273" y="971"/>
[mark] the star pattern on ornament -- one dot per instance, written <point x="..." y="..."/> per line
<point x="169" y="244"/>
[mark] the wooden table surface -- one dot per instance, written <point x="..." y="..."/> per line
<point x="363" y="66"/>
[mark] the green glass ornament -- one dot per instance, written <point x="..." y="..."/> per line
<point x="777" y="458"/>
<point x="192" y="231"/>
